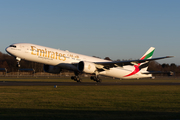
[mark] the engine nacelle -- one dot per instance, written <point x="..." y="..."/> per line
<point x="52" y="69"/>
<point x="86" y="67"/>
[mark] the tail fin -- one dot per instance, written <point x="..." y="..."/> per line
<point x="144" y="66"/>
<point x="148" y="54"/>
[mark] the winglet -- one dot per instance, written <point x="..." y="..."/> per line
<point x="169" y="56"/>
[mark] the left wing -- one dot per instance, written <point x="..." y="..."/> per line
<point x="128" y="62"/>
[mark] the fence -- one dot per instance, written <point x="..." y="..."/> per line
<point x="31" y="72"/>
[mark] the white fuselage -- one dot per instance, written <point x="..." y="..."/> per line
<point x="66" y="59"/>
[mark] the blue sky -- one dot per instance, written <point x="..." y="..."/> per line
<point x="119" y="29"/>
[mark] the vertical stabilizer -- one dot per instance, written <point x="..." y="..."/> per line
<point x="148" y="55"/>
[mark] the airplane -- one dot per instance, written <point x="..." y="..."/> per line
<point x="55" y="60"/>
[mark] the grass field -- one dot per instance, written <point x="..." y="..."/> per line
<point x="135" y="102"/>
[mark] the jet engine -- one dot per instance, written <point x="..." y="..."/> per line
<point x="52" y="69"/>
<point x="86" y="67"/>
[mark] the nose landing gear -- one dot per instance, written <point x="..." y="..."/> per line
<point x="18" y="60"/>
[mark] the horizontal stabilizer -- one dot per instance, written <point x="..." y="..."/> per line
<point x="158" y="72"/>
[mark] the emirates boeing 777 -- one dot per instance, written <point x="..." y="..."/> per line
<point x="55" y="60"/>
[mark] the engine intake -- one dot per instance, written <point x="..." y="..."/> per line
<point x="86" y="67"/>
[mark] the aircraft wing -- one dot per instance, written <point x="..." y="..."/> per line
<point x="128" y="62"/>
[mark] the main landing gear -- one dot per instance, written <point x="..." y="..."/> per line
<point x="18" y="60"/>
<point x="76" y="77"/>
<point x="96" y="78"/>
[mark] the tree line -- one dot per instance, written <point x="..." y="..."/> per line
<point x="9" y="62"/>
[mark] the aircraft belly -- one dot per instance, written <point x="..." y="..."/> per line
<point x="114" y="72"/>
<point x="121" y="73"/>
<point x="68" y="66"/>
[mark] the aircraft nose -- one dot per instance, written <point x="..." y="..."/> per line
<point x="7" y="49"/>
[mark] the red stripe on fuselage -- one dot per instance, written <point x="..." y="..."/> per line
<point x="136" y="70"/>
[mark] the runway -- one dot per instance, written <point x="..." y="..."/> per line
<point x="25" y="83"/>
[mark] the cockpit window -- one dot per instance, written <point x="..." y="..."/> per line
<point x="12" y="46"/>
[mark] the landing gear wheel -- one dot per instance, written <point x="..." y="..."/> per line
<point x="79" y="80"/>
<point x="72" y="77"/>
<point x="99" y="80"/>
<point x="96" y="79"/>
<point x="18" y="65"/>
<point x="92" y="78"/>
<point x="18" y="60"/>
<point x="76" y="78"/>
